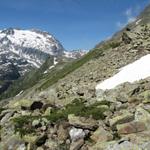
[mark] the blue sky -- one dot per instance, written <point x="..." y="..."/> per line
<point x="77" y="24"/>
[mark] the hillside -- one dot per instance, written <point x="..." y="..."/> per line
<point x="98" y="102"/>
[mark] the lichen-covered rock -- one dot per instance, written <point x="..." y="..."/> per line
<point x="51" y="144"/>
<point x="131" y="127"/>
<point x="13" y="143"/>
<point x="141" y="114"/>
<point x="124" y="146"/>
<point x="76" y="145"/>
<point x="125" y="117"/>
<point x="101" y="135"/>
<point x="62" y="133"/>
<point x="81" y="122"/>
<point x="138" y="138"/>
<point x="6" y="117"/>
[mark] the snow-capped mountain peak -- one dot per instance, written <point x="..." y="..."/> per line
<point x="33" y="39"/>
<point x="32" y="46"/>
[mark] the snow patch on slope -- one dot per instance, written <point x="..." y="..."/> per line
<point x="135" y="71"/>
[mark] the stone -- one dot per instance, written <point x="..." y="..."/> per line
<point x="41" y="140"/>
<point x="126" y="145"/>
<point x="77" y="145"/>
<point x="21" y="147"/>
<point x="51" y="144"/>
<point x="101" y="135"/>
<point x="25" y="113"/>
<point x="76" y="134"/>
<point x="39" y="148"/>
<point x="30" y="138"/>
<point x="125" y="38"/>
<point x="146" y="95"/>
<point x="84" y="147"/>
<point x="82" y="122"/>
<point x="101" y="145"/>
<point x="131" y="127"/>
<point x="121" y="106"/>
<point x="48" y="111"/>
<point x="62" y="133"/>
<point x="6" y="118"/>
<point x="141" y="114"/>
<point x="120" y="119"/>
<point x="35" y="123"/>
<point x="146" y="146"/>
<point x="36" y="105"/>
<point x="43" y="128"/>
<point x="23" y="103"/>
<point x="14" y="142"/>
<point x="138" y="138"/>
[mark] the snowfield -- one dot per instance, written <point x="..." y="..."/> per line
<point x="140" y="69"/>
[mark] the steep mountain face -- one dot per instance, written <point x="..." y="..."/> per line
<point x="92" y="103"/>
<point x="30" y="47"/>
<point x="24" y="50"/>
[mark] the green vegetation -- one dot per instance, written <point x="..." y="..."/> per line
<point x="77" y="107"/>
<point x="114" y="44"/>
<point x="23" y="124"/>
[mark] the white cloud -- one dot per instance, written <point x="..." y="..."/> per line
<point x="120" y="24"/>
<point x="130" y="16"/>
<point x="128" y="12"/>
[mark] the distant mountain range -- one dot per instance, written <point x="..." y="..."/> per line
<point x="24" y="50"/>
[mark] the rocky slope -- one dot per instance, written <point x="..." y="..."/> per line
<point x="64" y="111"/>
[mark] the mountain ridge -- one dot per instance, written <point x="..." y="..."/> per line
<point x="27" y="50"/>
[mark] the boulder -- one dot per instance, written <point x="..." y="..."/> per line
<point x="126" y="145"/>
<point x="14" y="143"/>
<point x="51" y="144"/>
<point x="48" y="111"/>
<point x="125" y="38"/>
<point x="23" y="103"/>
<point x="82" y="122"/>
<point x="30" y="138"/>
<point x="39" y="148"/>
<point x="36" y="123"/>
<point x="124" y="117"/>
<point x="101" y="135"/>
<point x="62" y="133"/>
<point x="36" y="105"/>
<point x="41" y="140"/>
<point x="77" y="145"/>
<point x="146" y="146"/>
<point x="146" y="96"/>
<point x="6" y="117"/>
<point x="101" y="145"/>
<point x="113" y="145"/>
<point x="131" y="127"/>
<point x="138" y="138"/>
<point x="141" y="114"/>
<point x="76" y="134"/>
